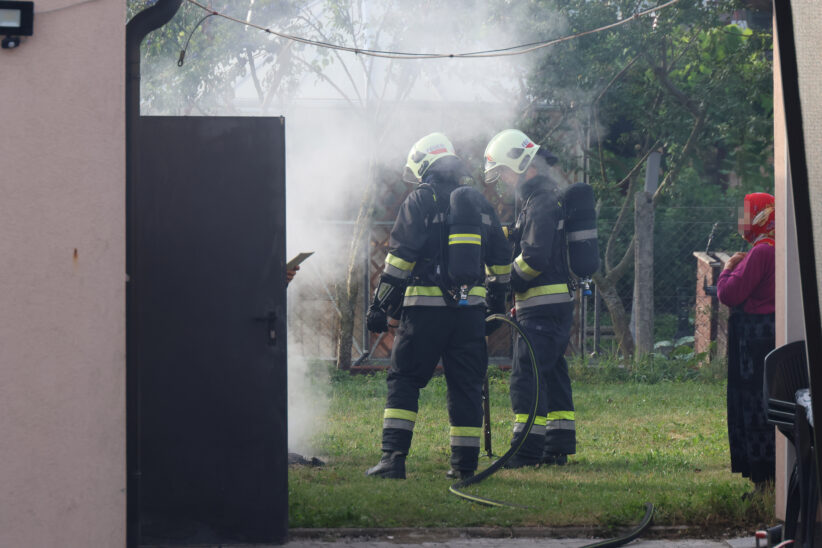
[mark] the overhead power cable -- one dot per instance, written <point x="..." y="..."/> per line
<point x="501" y="52"/>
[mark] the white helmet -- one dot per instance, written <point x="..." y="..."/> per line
<point x="510" y="149"/>
<point x="424" y="153"/>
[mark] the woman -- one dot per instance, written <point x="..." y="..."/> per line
<point x="747" y="286"/>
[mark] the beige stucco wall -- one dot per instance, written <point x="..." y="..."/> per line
<point x="806" y="20"/>
<point x="62" y="297"/>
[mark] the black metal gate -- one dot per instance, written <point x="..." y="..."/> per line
<point x="207" y="442"/>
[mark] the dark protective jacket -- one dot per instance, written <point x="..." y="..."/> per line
<point x="419" y="239"/>
<point x="539" y="277"/>
<point x="544" y="304"/>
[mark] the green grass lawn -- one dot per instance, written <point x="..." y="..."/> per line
<point x="664" y="442"/>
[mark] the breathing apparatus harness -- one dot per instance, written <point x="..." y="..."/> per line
<point x="457" y="487"/>
<point x="459" y="265"/>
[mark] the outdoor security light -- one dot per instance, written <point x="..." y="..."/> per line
<point x="16" y="20"/>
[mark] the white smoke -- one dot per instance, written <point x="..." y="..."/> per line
<point x="358" y="112"/>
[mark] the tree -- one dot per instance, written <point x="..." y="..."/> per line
<point x="218" y="53"/>
<point x="684" y="81"/>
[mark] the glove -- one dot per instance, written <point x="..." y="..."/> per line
<point x="496" y="305"/>
<point x="387" y="300"/>
<point x="376" y="320"/>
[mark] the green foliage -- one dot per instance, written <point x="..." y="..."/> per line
<point x="620" y="92"/>
<point x="674" y="363"/>
<point x="683" y="82"/>
<point x="664" y="326"/>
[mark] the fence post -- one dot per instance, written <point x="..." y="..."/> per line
<point x="366" y="287"/>
<point x="597" y="304"/>
<point x="582" y="322"/>
<point x="644" y="259"/>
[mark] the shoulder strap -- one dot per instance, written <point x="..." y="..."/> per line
<point x="437" y="207"/>
<point x="439" y="210"/>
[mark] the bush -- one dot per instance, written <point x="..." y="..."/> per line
<point x="671" y="362"/>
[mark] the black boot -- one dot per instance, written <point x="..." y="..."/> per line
<point x="518" y="461"/>
<point x="556" y="459"/>
<point x="391" y="465"/>
<point x="459" y="474"/>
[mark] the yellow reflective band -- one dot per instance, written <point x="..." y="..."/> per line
<point x="396" y="262"/>
<point x="498" y="269"/>
<point x="524" y="267"/>
<point x="507" y="231"/>
<point x="561" y="416"/>
<point x="478" y="291"/>
<point x="523" y="418"/>
<point x="434" y="291"/>
<point x="466" y="431"/>
<point x="423" y="291"/>
<point x="554" y="289"/>
<point x="475" y="239"/>
<point x="400" y="414"/>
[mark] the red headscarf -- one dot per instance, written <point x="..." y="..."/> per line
<point x="756" y="224"/>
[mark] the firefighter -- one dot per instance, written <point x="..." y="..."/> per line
<point x="542" y="297"/>
<point x="433" y="325"/>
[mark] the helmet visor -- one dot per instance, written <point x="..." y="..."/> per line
<point x="492" y="174"/>
<point x="408" y="175"/>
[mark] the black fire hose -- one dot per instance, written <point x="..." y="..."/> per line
<point x="499" y="463"/>
<point x="532" y="415"/>
<point x="630" y="535"/>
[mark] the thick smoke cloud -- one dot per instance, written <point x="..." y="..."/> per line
<point x="354" y="114"/>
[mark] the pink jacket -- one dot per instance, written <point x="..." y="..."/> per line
<point x="752" y="283"/>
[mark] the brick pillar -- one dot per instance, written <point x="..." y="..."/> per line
<point x="722" y="314"/>
<point x="710" y="317"/>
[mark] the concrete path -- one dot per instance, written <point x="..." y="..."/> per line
<point x="517" y="543"/>
<point x="390" y="542"/>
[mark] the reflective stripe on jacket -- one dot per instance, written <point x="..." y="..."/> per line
<point x="543" y="295"/>
<point x="418" y="295"/>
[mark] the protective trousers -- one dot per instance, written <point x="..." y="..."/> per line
<point x="554" y="429"/>
<point x="426" y="334"/>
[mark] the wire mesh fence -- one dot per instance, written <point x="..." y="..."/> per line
<point x="679" y="233"/>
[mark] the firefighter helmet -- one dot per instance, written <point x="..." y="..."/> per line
<point x="509" y="149"/>
<point x="424" y="153"/>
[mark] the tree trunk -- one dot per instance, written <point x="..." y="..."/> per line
<point x="348" y="309"/>
<point x="619" y="318"/>
<point x="348" y="297"/>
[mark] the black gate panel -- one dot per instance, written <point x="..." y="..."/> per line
<point x="206" y="331"/>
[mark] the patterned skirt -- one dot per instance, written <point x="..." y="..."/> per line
<point x="750" y="338"/>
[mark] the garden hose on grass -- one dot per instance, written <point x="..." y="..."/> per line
<point x="532" y="415"/>
<point x="499" y="463"/>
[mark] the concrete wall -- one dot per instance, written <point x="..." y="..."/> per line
<point x="62" y="295"/>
